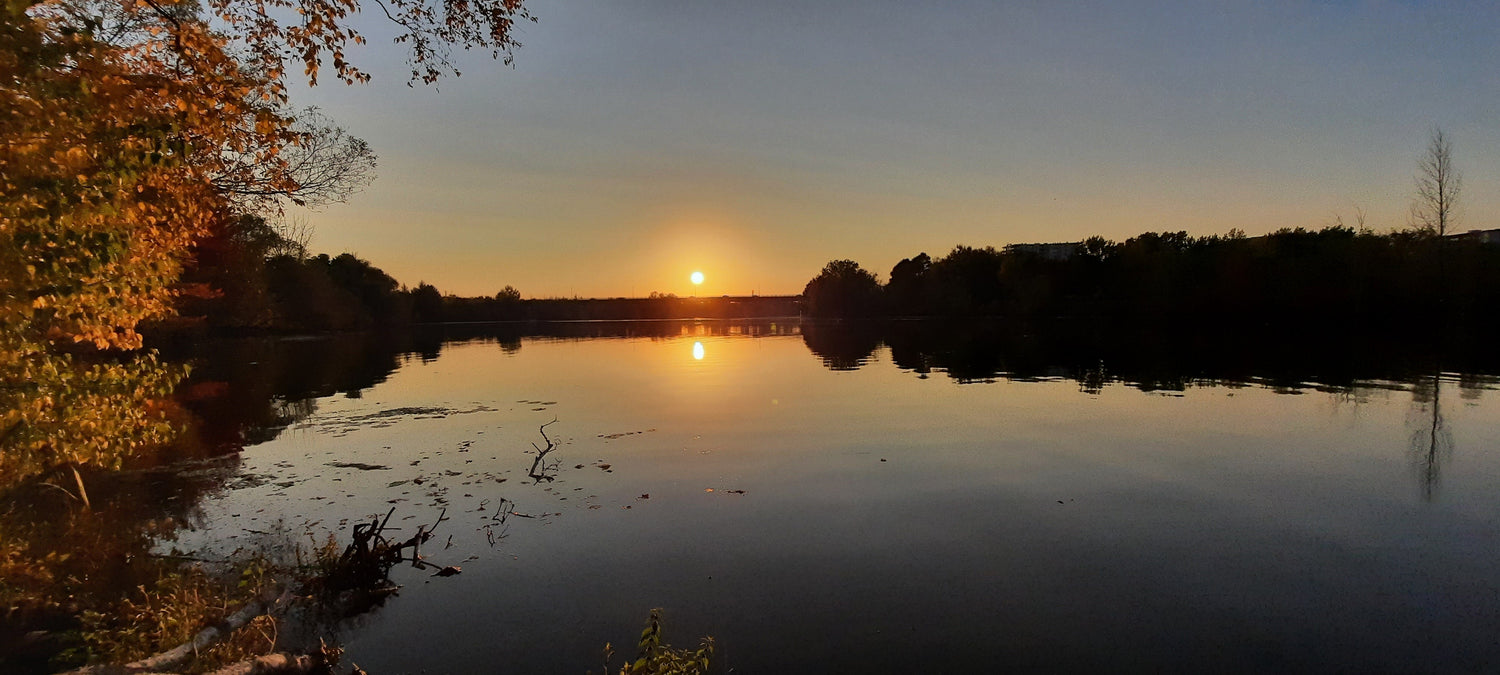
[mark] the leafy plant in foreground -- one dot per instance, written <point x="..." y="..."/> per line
<point x="656" y="658"/>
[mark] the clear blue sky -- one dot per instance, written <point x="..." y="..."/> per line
<point x="635" y="142"/>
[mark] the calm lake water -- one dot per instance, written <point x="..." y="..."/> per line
<point x="903" y="498"/>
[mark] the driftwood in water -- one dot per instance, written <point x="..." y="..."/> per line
<point x="367" y="561"/>
<point x="280" y="663"/>
<point x="364" y="566"/>
<point x="540" y="470"/>
<point x="180" y="654"/>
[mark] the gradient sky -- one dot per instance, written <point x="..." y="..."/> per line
<point x="634" y="142"/>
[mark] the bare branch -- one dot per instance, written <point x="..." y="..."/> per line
<point x="295" y="234"/>
<point x="1438" y="184"/>
<point x="323" y="165"/>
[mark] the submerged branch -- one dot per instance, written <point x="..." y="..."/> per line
<point x="539" y="470"/>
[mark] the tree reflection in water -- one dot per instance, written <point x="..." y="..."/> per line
<point x="1173" y="358"/>
<point x="1431" y="440"/>
<point x="148" y="456"/>
<point x="841" y="345"/>
<point x="56" y="559"/>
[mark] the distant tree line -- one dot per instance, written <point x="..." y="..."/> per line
<point x="456" y="309"/>
<point x="1292" y="274"/>
<point x="253" y="275"/>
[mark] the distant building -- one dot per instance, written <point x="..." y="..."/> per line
<point x="1058" y="251"/>
<point x="1479" y="236"/>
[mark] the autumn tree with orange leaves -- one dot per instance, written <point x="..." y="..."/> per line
<point x="128" y="130"/>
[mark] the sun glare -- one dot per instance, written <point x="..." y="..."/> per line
<point x="697" y="278"/>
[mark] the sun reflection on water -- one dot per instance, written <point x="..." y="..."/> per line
<point x="698" y="351"/>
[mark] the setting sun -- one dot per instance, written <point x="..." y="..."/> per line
<point x="697" y="278"/>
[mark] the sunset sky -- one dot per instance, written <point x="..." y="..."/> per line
<point x="636" y="142"/>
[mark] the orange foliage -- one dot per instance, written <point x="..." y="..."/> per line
<point x="128" y="128"/>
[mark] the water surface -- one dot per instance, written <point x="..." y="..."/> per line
<point x="830" y="498"/>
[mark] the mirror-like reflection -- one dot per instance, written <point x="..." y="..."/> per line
<point x="250" y="390"/>
<point x="1105" y="497"/>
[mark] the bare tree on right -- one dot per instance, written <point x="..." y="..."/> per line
<point x="1438" y="185"/>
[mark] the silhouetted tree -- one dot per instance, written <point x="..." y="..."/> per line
<point x="906" y="293"/>
<point x="426" y="303"/>
<point x="375" y="290"/>
<point x="968" y="280"/>
<point x="1438" y="183"/>
<point x="308" y="299"/>
<point x="249" y="275"/>
<point x="224" y="282"/>
<point x="844" y="289"/>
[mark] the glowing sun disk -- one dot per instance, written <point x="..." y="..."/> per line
<point x="697" y="278"/>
